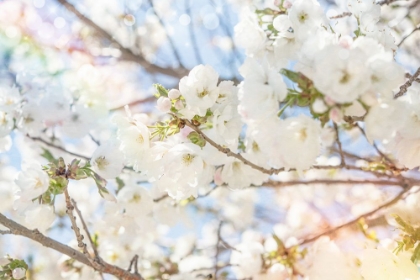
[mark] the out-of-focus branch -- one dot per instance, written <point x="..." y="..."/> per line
<point x="126" y="53"/>
<point x="408" y="76"/>
<point x="278" y="184"/>
<point x="136" y="102"/>
<point x="38" y="139"/>
<point x="387" y="2"/>
<point x="345" y="14"/>
<point x="408" y="35"/>
<point x="193" y="39"/>
<point x="375" y="146"/>
<point x="406" y="85"/>
<point x="363" y="216"/>
<point x="340" y="149"/>
<point x="174" y="49"/>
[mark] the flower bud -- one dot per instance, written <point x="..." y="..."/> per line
<point x="174" y="94"/>
<point x="336" y="115"/>
<point x="319" y="106"/>
<point x="179" y="105"/>
<point x="19" y="273"/>
<point x="164" y="104"/>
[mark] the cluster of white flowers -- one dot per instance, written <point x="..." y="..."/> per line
<point x="304" y="77"/>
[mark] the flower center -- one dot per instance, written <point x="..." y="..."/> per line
<point x="101" y="162"/>
<point x="187" y="159"/>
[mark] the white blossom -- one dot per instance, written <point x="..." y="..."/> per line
<point x="33" y="181"/>
<point x="107" y="161"/>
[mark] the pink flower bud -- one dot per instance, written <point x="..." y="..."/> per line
<point x="19" y="273"/>
<point x="164" y="104"/>
<point x="336" y="115"/>
<point x="179" y="105"/>
<point x="174" y="94"/>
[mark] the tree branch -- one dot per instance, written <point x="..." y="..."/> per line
<point x="126" y="53"/>
<point x="278" y="184"/>
<point x="95" y="251"/>
<point x="355" y="220"/>
<point x="35" y="235"/>
<point x="406" y="85"/>
<point x="387" y="2"/>
<point x="345" y="14"/>
<point x="58" y="147"/>
<point x="192" y="34"/>
<point x="408" y="35"/>
<point x="271" y="171"/>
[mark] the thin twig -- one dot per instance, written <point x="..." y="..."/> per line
<point x="278" y="184"/>
<point x="363" y="216"/>
<point x="134" y="103"/>
<point x="75" y="228"/>
<point x="193" y="39"/>
<point x="375" y="146"/>
<point x="94" y="140"/>
<point x="408" y="35"/>
<point x="171" y="42"/>
<point x="271" y="171"/>
<point x="58" y="147"/>
<point x="133" y="263"/>
<point x="408" y="76"/>
<point x="406" y="85"/>
<point x="95" y="250"/>
<point x="126" y="53"/>
<point x="340" y="148"/>
<point x="229" y="153"/>
<point x="387" y="2"/>
<point x="345" y="14"/>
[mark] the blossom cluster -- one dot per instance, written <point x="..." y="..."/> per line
<point x="307" y="81"/>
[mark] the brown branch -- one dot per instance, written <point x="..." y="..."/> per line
<point x="278" y="184"/>
<point x="35" y="235"/>
<point x="74" y="227"/>
<point x="408" y="76"/>
<point x="95" y="251"/>
<point x="133" y="263"/>
<point x="408" y="35"/>
<point x="375" y="146"/>
<point x="363" y="216"/>
<point x="216" y="256"/>
<point x="345" y="14"/>
<point x="57" y="147"/>
<point x="174" y="49"/>
<point x="271" y="171"/>
<point x="406" y="85"/>
<point x="387" y="2"/>
<point x="340" y="149"/>
<point x="126" y="53"/>
<point x="134" y="103"/>
<point x="229" y="153"/>
<point x="192" y="33"/>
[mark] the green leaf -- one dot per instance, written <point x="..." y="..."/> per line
<point x="416" y="254"/>
<point x="48" y="156"/>
<point x="281" y="248"/>
<point x="197" y="139"/>
<point x="162" y="91"/>
<point x="404" y="225"/>
<point x="120" y="183"/>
